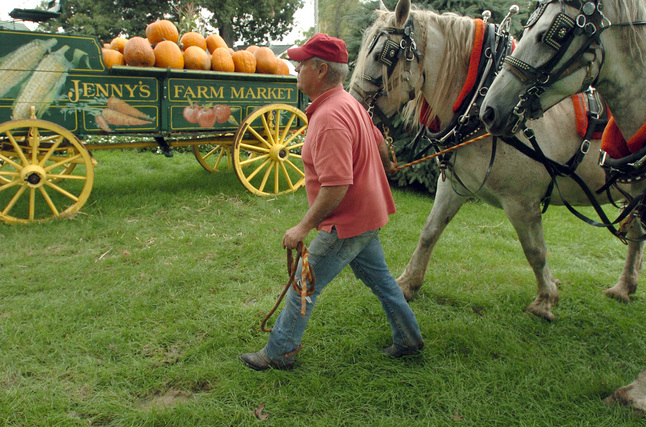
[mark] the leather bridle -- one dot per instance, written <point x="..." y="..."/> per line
<point x="589" y="23"/>
<point x="390" y="54"/>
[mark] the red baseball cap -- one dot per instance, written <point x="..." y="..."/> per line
<point x="322" y="46"/>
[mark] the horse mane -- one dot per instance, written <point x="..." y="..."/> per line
<point x="458" y="32"/>
<point x="628" y="11"/>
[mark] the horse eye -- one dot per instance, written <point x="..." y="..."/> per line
<point x="539" y="36"/>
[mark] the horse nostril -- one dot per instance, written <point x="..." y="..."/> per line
<point x="488" y="116"/>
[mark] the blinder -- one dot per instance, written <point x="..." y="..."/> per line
<point x="559" y="32"/>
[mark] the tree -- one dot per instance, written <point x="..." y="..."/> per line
<point x="107" y="19"/>
<point x="252" y="21"/>
<point x="249" y="21"/>
<point x="335" y="17"/>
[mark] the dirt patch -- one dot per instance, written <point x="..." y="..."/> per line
<point x="170" y="398"/>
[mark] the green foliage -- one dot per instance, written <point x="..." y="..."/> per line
<point x="134" y="312"/>
<point x="107" y="19"/>
<point x="250" y="21"/>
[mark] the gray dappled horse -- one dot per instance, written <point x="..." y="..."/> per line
<point x="435" y="52"/>
<point x="566" y="46"/>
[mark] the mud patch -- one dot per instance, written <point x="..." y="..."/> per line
<point x="170" y="398"/>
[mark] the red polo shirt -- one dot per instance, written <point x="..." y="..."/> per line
<point x="341" y="148"/>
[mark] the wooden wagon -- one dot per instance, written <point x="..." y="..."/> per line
<point x="55" y="91"/>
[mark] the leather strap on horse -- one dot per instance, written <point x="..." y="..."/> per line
<point x="305" y="286"/>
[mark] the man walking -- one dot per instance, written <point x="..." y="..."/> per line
<point x="344" y="157"/>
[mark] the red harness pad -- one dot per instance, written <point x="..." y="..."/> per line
<point x="614" y="143"/>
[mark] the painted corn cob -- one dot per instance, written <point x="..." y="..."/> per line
<point x="17" y="65"/>
<point x="43" y="86"/>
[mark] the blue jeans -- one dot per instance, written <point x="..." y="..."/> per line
<point x="328" y="256"/>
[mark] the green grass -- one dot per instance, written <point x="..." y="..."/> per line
<point x="134" y="312"/>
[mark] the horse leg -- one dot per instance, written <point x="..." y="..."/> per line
<point x="447" y="204"/>
<point x="634" y="394"/>
<point x="526" y="219"/>
<point x="627" y="284"/>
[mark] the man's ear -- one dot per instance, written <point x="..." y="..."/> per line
<point x="323" y="69"/>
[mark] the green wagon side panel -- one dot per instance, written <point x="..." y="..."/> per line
<point x="78" y="92"/>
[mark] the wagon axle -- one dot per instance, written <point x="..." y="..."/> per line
<point x="33" y="175"/>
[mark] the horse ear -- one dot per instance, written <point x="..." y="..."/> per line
<point x="382" y="6"/>
<point x="401" y="12"/>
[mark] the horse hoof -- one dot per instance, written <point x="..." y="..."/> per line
<point x="541" y="313"/>
<point x="618" y="294"/>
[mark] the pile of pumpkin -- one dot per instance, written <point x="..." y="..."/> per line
<point x="163" y="48"/>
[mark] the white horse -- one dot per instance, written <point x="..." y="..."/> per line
<point x="432" y="69"/>
<point x="566" y="46"/>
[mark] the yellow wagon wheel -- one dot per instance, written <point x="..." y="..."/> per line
<point x="45" y="173"/>
<point x="210" y="155"/>
<point x="267" y="150"/>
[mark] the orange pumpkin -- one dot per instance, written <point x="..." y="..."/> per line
<point x="253" y="48"/>
<point x="195" y="58"/>
<point x="265" y="61"/>
<point x="162" y="30"/>
<point x="214" y="41"/>
<point x="138" y="52"/>
<point x="192" y="39"/>
<point x="168" y="54"/>
<point x="112" y="57"/>
<point x="118" y="43"/>
<point x="282" y="68"/>
<point x="244" y="61"/>
<point x="221" y="60"/>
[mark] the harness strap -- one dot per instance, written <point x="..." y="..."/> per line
<point x="556" y="169"/>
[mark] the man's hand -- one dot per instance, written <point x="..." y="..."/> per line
<point x="294" y="236"/>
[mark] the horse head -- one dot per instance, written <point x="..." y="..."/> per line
<point x="561" y="53"/>
<point x="388" y="71"/>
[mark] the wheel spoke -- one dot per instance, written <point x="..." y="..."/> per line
<point x="10" y="161"/>
<point x="276" y="128"/>
<point x="51" y="151"/>
<point x="64" y="161"/>
<point x="294" y="146"/>
<point x="265" y="177"/>
<point x="286" y="175"/>
<point x="267" y="126"/>
<point x="288" y="125"/>
<point x="32" y="203"/>
<point x="10" y="184"/>
<point x="61" y="176"/>
<point x="259" y="137"/>
<point x="253" y="160"/>
<point x="14" y="199"/>
<point x="300" y="172"/>
<point x="276" y="178"/>
<point x="17" y="148"/>
<point x="61" y="190"/>
<point x="34" y="143"/>
<point x="49" y="201"/>
<point x="258" y="169"/>
<point x="253" y="148"/>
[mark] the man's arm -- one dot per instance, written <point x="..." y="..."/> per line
<point x="326" y="201"/>
<point x="384" y="153"/>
